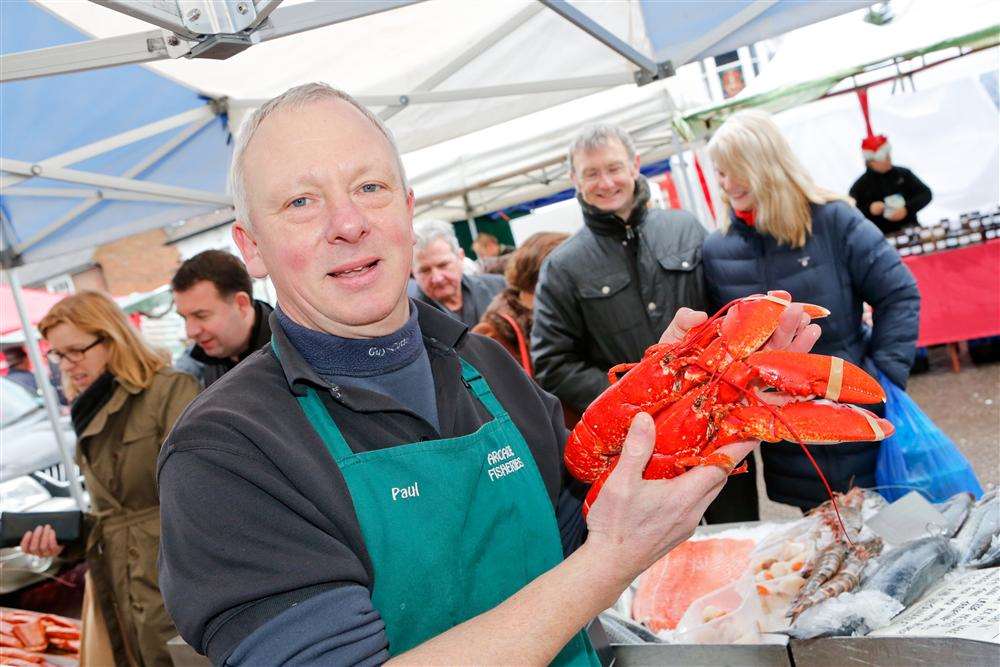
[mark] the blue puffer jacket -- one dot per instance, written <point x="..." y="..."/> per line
<point x="844" y="263"/>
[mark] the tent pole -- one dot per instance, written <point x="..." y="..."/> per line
<point x="679" y="150"/>
<point x="48" y="393"/>
<point x="117" y="182"/>
<point x="470" y="217"/>
<point x="468" y="55"/>
<point x="580" y="19"/>
<point x="724" y="29"/>
<point x="111" y="143"/>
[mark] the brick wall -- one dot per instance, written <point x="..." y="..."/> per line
<point x="139" y="263"/>
<point x="91" y="279"/>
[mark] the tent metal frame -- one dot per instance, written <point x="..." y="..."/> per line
<point x="190" y="26"/>
<point x="218" y="30"/>
<point x="49" y="399"/>
<point x="103" y="180"/>
<point x="164" y="43"/>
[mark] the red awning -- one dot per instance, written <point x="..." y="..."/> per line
<point x="38" y="302"/>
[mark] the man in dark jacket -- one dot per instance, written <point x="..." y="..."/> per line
<point x="845" y="262"/>
<point x="438" y="278"/>
<point x="609" y="291"/>
<point x="379" y="483"/>
<point x="19" y="369"/>
<point x="886" y="194"/>
<point x="213" y="293"/>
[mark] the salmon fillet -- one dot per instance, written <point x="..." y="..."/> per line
<point x="691" y="570"/>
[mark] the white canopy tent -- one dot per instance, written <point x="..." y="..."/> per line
<point x="434" y="70"/>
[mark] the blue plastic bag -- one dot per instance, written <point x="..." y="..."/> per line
<point x="919" y="456"/>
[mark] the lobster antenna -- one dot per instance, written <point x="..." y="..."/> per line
<point x="801" y="444"/>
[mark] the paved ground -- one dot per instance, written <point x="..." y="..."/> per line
<point x="965" y="405"/>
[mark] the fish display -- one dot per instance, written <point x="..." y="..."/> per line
<point x="826" y="564"/>
<point x="955" y="510"/>
<point x="693" y="569"/>
<point x="978" y="541"/>
<point x="906" y="573"/>
<point x="845" y="578"/>
<point x="827" y="574"/>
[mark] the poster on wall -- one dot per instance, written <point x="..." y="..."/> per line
<point x="732" y="81"/>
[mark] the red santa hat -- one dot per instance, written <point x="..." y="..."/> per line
<point x="874" y="146"/>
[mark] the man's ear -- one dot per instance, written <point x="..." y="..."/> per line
<point x="461" y="254"/>
<point x="247" y="243"/>
<point x="243" y="301"/>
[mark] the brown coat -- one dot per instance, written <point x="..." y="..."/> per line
<point x="117" y="454"/>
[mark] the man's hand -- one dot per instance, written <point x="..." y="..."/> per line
<point x="896" y="215"/>
<point x="877" y="208"/>
<point x="684" y="320"/>
<point x="794" y="332"/>
<point x="635" y="521"/>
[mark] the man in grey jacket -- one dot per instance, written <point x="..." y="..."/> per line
<point x="438" y="278"/>
<point x="609" y="291"/>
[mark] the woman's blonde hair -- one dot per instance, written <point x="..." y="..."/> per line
<point x="130" y="358"/>
<point x="750" y="148"/>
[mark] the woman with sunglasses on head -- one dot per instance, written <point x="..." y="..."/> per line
<point x="125" y="399"/>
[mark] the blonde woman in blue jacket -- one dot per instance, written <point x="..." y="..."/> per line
<point x="785" y="232"/>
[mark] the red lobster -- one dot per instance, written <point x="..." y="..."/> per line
<point x="714" y="387"/>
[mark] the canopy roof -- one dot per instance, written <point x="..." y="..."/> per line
<point x="89" y="156"/>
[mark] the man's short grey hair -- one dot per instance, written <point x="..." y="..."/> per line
<point x="595" y="136"/>
<point x="428" y="231"/>
<point x="293" y="98"/>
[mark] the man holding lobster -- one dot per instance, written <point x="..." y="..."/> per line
<point x="378" y="484"/>
<point x="607" y="293"/>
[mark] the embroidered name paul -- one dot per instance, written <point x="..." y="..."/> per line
<point x="504" y="463"/>
<point x="405" y="492"/>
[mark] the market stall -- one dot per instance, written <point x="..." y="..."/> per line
<point x="902" y="592"/>
<point x="37" y="303"/>
<point x="959" y="293"/>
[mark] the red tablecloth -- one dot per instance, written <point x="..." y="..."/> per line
<point x="960" y="293"/>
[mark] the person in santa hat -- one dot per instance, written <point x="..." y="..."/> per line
<point x="888" y="195"/>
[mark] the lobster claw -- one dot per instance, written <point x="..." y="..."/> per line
<point x="803" y="374"/>
<point x="815" y="422"/>
<point x="750" y="321"/>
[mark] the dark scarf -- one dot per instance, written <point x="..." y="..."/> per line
<point x="609" y="224"/>
<point x="331" y="355"/>
<point x="89" y="403"/>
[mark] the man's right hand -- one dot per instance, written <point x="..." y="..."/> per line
<point x="635" y="521"/>
<point x="41" y="542"/>
<point x="877" y="207"/>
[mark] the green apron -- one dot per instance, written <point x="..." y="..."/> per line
<point x="454" y="527"/>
